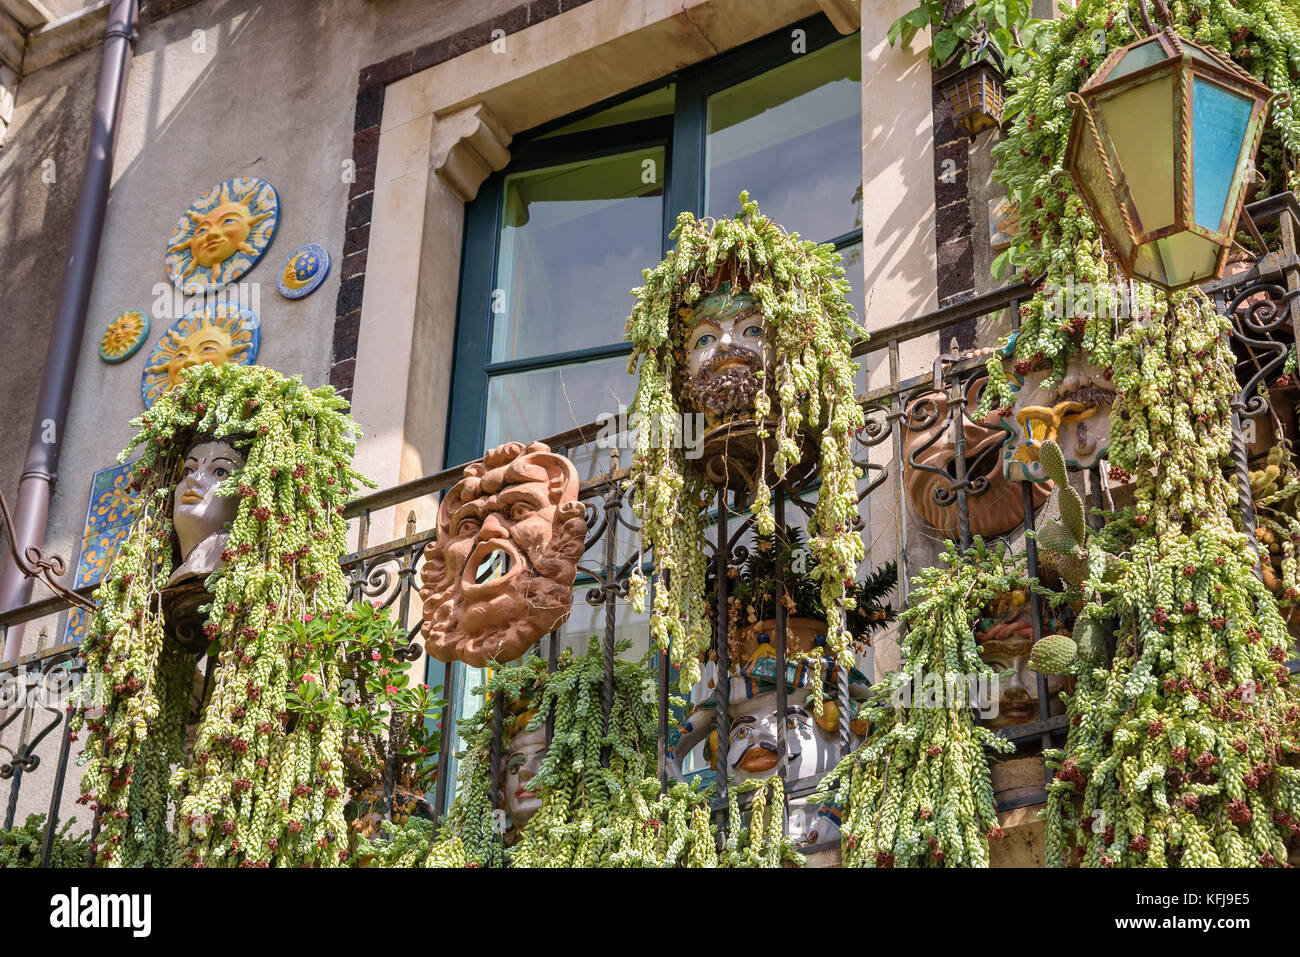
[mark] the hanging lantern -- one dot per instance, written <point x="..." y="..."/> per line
<point x="1163" y="138"/>
<point x="976" y="95"/>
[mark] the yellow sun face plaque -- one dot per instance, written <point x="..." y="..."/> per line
<point x="225" y="332"/>
<point x="223" y="235"/>
<point x="124" y="336"/>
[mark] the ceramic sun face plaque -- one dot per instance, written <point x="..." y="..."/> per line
<point x="221" y="333"/>
<point x="124" y="336"/>
<point x="500" y="574"/>
<point x="222" y="235"/>
<point x="304" y="271"/>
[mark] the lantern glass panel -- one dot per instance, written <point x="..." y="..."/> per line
<point x="1092" y="176"/>
<point x="1140" y="122"/>
<point x="1186" y="257"/>
<point x="1219" y="121"/>
<point x="1138" y="58"/>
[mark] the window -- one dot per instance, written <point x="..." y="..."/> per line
<point x="554" y="243"/>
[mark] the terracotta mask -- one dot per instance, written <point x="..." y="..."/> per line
<point x="500" y="575"/>
<point x="929" y="466"/>
<point x="522" y="763"/>
<point x="726" y="347"/>
<point x="197" y="511"/>
<point x="1005" y="639"/>
<point x="1075" y="414"/>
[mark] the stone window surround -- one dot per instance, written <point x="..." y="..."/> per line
<point x="432" y="124"/>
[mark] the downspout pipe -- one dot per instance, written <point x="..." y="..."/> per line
<point x="41" y="467"/>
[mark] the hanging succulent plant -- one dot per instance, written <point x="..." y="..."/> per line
<point x="1058" y="239"/>
<point x="1180" y="751"/>
<point x="609" y="814"/>
<point x="918" y="792"/>
<point x="260" y="785"/>
<point x="803" y="296"/>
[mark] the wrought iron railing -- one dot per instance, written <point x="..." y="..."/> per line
<point x="1264" y="301"/>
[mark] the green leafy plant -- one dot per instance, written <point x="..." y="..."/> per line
<point x="260" y="785"/>
<point x="385" y="735"/>
<point x="782" y="556"/>
<point x="1181" y="749"/>
<point x="918" y="792"/>
<point x="979" y="30"/>
<point x="21" y="846"/>
<point x="804" y="299"/>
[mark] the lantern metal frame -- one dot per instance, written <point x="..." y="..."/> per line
<point x="1089" y="131"/>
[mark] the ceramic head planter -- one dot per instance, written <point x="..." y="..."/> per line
<point x="751" y="327"/>
<point x="1072" y="409"/>
<point x="1005" y="638"/>
<point x="201" y="516"/>
<point x="284" y="453"/>
<point x="726" y="347"/>
<point x="500" y="574"/>
<point x="523" y="759"/>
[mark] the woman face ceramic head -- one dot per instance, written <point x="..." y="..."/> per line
<point x="197" y="511"/>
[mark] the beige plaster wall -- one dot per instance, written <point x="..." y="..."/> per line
<point x="898" y="235"/>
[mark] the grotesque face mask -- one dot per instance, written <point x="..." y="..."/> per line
<point x="522" y="763"/>
<point x="726" y="347"/>
<point x="197" y="511"/>
<point x="500" y="575"/>
<point x="1075" y="414"/>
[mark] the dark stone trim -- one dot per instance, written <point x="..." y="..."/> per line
<point x="954" y="226"/>
<point x="365" y="151"/>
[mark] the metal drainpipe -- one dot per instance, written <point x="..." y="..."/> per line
<point x="48" y="424"/>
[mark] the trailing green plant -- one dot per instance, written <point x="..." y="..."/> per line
<point x="21" y="846"/>
<point x="469" y="836"/>
<point x="409" y="844"/>
<point x="601" y="802"/>
<point x="758" y="839"/>
<point x="918" y="792"/>
<point x="261" y="785"/>
<point x="1058" y="240"/>
<point x="804" y="299"/>
<point x="1180" y="751"/>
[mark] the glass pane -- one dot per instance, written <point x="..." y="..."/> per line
<point x="524" y="406"/>
<point x="1138" y="58"/>
<point x="574" y="239"/>
<point x="655" y="103"/>
<point x="1219" y="120"/>
<point x="793" y="138"/>
<point x="1140" y="124"/>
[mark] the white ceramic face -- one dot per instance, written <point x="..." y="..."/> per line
<point x="752" y="751"/>
<point x="197" y="511"/>
<point x="1016" y="696"/>
<point x="709" y="338"/>
<point x="522" y="763"/>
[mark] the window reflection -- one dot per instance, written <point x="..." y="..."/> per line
<point x="793" y="138"/>
<point x="574" y="239"/>
<point x="523" y="406"/>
